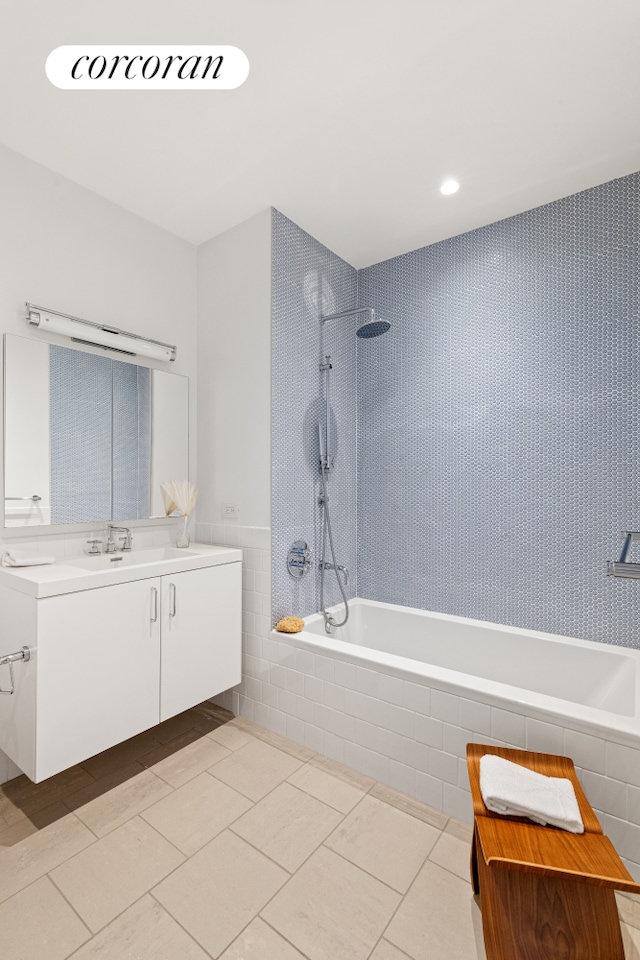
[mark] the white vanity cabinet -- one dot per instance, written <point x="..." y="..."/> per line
<point x="98" y="671"/>
<point x="110" y="660"/>
<point x="201" y="623"/>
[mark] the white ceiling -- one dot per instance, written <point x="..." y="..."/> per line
<point x="352" y="115"/>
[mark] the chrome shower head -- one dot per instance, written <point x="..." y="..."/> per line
<point x="372" y="328"/>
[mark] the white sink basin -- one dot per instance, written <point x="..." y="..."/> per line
<point x="136" y="558"/>
<point x="108" y="569"/>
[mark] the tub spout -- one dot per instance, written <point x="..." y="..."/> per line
<point x="340" y="568"/>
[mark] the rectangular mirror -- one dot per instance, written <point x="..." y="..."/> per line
<point x="88" y="439"/>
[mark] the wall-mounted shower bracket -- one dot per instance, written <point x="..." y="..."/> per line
<point x="624" y="567"/>
<point x="298" y="559"/>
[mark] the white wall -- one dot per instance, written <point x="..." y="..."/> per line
<point x="26" y="436"/>
<point x="169" y="445"/>
<point x="66" y="248"/>
<point x="234" y="373"/>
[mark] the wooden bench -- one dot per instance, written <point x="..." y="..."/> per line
<point x="546" y="894"/>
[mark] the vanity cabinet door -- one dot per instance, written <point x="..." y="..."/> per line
<point x="201" y="636"/>
<point x="98" y="663"/>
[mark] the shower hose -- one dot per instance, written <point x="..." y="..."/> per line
<point x="329" y="622"/>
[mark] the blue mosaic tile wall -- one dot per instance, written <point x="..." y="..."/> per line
<point x="496" y="423"/>
<point x="80" y="436"/>
<point x="308" y="279"/>
<point x="498" y="420"/>
<point x="100" y="438"/>
<point x="131" y="441"/>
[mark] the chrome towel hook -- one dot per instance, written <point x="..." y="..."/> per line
<point x="10" y="659"/>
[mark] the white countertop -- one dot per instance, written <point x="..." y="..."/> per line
<point x="51" y="580"/>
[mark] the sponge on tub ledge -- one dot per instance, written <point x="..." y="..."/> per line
<point x="290" y="625"/>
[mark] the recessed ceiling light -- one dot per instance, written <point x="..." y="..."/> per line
<point x="449" y="187"/>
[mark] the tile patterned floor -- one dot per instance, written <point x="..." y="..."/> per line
<point x="210" y="837"/>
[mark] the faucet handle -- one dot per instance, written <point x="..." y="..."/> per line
<point x="126" y="541"/>
<point x="94" y="547"/>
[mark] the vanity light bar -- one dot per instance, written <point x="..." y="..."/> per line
<point x="94" y="334"/>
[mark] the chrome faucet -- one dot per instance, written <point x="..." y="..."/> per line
<point x="340" y="568"/>
<point x="126" y="541"/>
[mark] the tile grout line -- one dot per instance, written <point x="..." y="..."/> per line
<point x="282" y="936"/>
<point x="227" y="827"/>
<point x="115" y="787"/>
<point x="357" y="866"/>
<point x="151" y="894"/>
<point x="246" y="797"/>
<point x="71" y="906"/>
<point x="321" y="769"/>
<point x="147" y="893"/>
<point x="305" y="861"/>
<point x="189" y="779"/>
<point x="66" y="860"/>
<point x="157" y="832"/>
<point x="59" y="891"/>
<point x="373" y="876"/>
<point x="381" y="939"/>
<point x="392" y="917"/>
<point x="268" y="857"/>
<point x="48" y="803"/>
<point x="137" y="900"/>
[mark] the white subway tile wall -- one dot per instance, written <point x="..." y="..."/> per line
<point x="263" y="694"/>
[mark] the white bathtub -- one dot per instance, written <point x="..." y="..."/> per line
<point x="398" y="693"/>
<point x="561" y="676"/>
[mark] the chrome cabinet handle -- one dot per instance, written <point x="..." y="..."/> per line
<point x="172" y="599"/>
<point x="154" y="596"/>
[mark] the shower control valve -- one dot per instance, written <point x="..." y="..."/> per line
<point x="298" y="559"/>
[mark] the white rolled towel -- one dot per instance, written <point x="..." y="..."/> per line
<point x="22" y="560"/>
<point x="513" y="790"/>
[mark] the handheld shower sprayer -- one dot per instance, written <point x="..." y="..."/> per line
<point x="326" y="459"/>
<point x="325" y="466"/>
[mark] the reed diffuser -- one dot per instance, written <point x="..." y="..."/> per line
<point x="180" y="495"/>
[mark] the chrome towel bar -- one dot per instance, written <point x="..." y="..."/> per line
<point x="35" y="498"/>
<point x="11" y="658"/>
